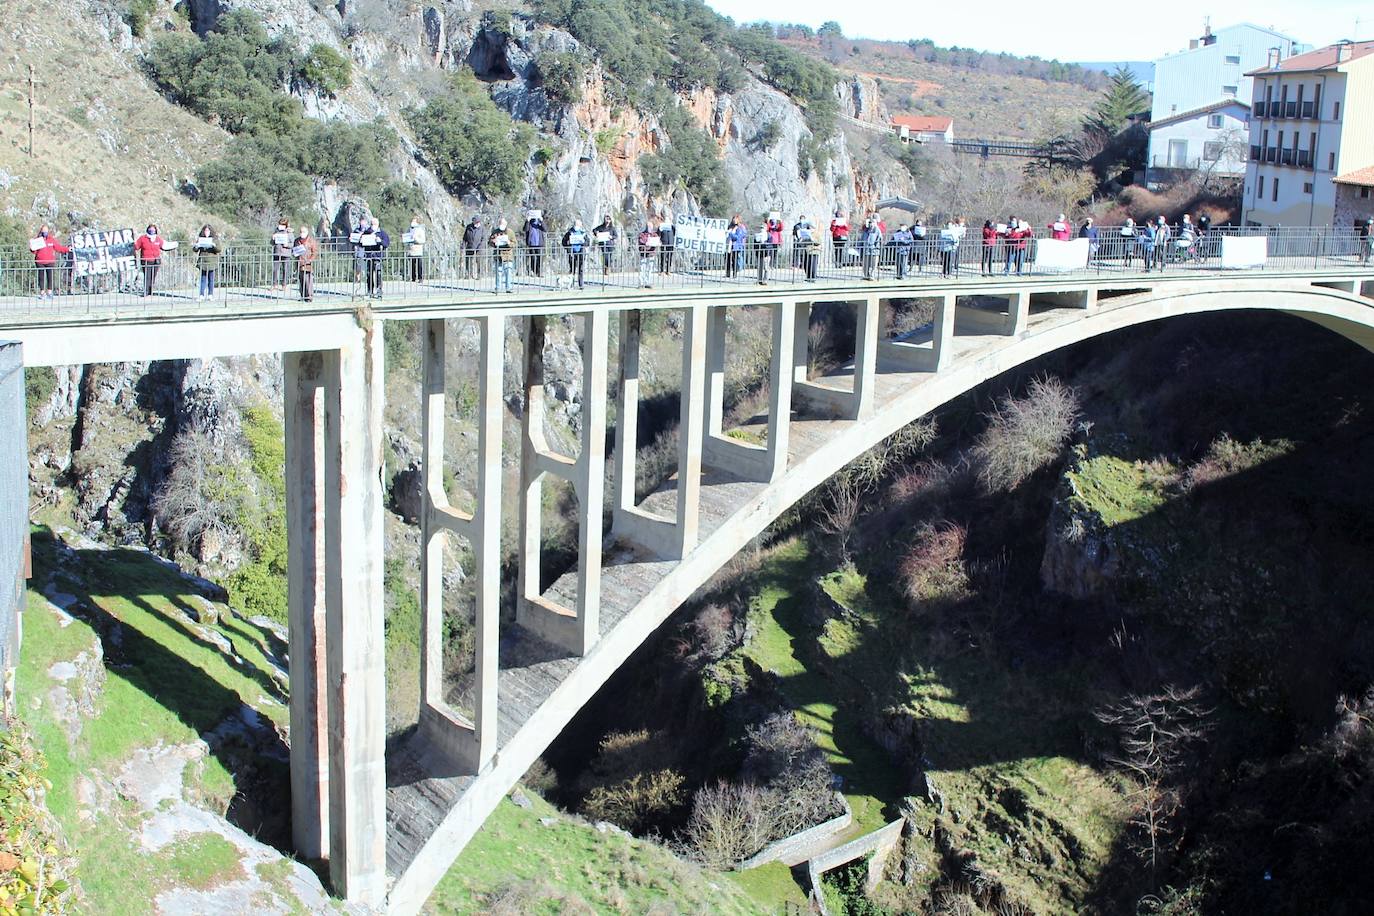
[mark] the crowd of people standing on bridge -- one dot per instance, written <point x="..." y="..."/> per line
<point x="534" y="250"/>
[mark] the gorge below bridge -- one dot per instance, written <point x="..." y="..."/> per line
<point x="391" y="821"/>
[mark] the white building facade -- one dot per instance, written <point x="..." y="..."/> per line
<point x="1200" y="115"/>
<point x="1313" y="120"/>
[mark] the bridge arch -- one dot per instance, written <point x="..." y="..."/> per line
<point x="983" y="358"/>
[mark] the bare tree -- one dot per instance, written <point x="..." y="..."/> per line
<point x="1156" y="734"/>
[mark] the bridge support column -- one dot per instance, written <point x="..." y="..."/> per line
<point x="942" y="336"/>
<point x="303" y="413"/>
<point x="828" y="400"/>
<point x="677" y="536"/>
<point x="1018" y="313"/>
<point x="354" y="619"/>
<point x="866" y="356"/>
<point x="575" y="629"/>
<point x="752" y="462"/>
<point x="470" y="742"/>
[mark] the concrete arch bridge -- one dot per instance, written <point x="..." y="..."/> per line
<point x="392" y="823"/>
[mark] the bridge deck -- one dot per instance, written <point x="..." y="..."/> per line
<point x="418" y="796"/>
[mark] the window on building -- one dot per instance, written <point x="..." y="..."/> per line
<point x="1233" y="58"/>
<point x="1230" y="90"/>
<point x="1259" y="189"/>
<point x="1336" y="111"/>
<point x="1307" y="187"/>
<point x="1331" y="161"/>
<point x="1211" y="151"/>
<point x="1364" y="193"/>
<point x="1214" y="121"/>
<point x="1276" y="189"/>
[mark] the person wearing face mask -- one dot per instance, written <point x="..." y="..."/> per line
<point x="149" y="248"/>
<point x="375" y="243"/>
<point x="575" y="244"/>
<point x="306" y="250"/>
<point x="414" y="240"/>
<point x="503" y="250"/>
<point x="207" y="261"/>
<point x="605" y="236"/>
<point x="870" y="244"/>
<point x="735" y="240"/>
<point x="281" y="255"/>
<point x="46" y="248"/>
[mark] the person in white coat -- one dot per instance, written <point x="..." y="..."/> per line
<point x="414" y="240"/>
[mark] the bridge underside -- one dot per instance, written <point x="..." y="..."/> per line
<point x="391" y="820"/>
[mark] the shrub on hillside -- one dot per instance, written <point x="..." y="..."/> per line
<point x="233" y="76"/>
<point x="729" y="823"/>
<point x="1025" y="434"/>
<point x="326" y="69"/>
<point x="1226" y="457"/>
<point x="137" y="15"/>
<point x="933" y="567"/>
<point x="561" y="75"/>
<point x="631" y="782"/>
<point x="36" y="867"/>
<point x="473" y="145"/>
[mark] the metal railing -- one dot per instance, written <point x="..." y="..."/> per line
<point x="248" y="274"/>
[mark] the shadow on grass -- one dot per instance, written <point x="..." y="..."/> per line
<point x="152" y="652"/>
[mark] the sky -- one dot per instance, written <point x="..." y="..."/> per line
<point x="1069" y="31"/>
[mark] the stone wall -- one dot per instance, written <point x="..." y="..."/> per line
<point x="1350" y="206"/>
<point x="880" y="842"/>
<point x="799" y="847"/>
<point x="14" y="510"/>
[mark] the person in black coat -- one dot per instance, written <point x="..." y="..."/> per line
<point x="474" y="240"/>
<point x="374" y="243"/>
<point x="667" y="241"/>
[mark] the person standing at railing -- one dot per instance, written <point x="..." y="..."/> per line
<point x="207" y="252"/>
<point x="647" y="243"/>
<point x="414" y="240"/>
<point x="1128" y="241"/>
<point x="920" y="244"/>
<point x="989" y="247"/>
<point x="575" y="244"/>
<point x="306" y="250"/>
<point x="474" y="240"/>
<point x="1016" y="240"/>
<point x="1060" y="230"/>
<point x="901" y="249"/>
<point x="959" y="227"/>
<point x="355" y="236"/>
<point x="667" y="244"/>
<point x="534" y="243"/>
<point x="870" y="243"/>
<point x="804" y="240"/>
<point x="839" y="237"/>
<point x="503" y="253"/>
<point x="605" y="237"/>
<point x="1089" y="231"/>
<point x="1187" y="239"/>
<point x="949" y="249"/>
<point x="1364" y="229"/>
<point x="1149" y="240"/>
<point x="375" y="244"/>
<point x="1204" y="232"/>
<point x="770" y="240"/>
<point x="1163" y="237"/>
<point x="149" y="247"/>
<point x="735" y="239"/>
<point x="281" y="256"/>
<point x="46" y="248"/>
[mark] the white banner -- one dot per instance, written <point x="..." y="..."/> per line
<point x="1057" y="254"/>
<point x="700" y="233"/>
<point x="1244" y="251"/>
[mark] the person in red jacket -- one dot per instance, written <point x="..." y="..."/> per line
<point x="989" y="246"/>
<point x="149" y="248"/>
<point x="839" y="237"/>
<point x="1061" y="229"/>
<point x="46" y="248"/>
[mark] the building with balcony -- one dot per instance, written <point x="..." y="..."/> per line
<point x="1312" y="119"/>
<point x="923" y="129"/>
<point x="1199" y="118"/>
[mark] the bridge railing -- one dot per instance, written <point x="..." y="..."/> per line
<point x="249" y="272"/>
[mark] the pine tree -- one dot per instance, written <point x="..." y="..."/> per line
<point x="1123" y="98"/>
